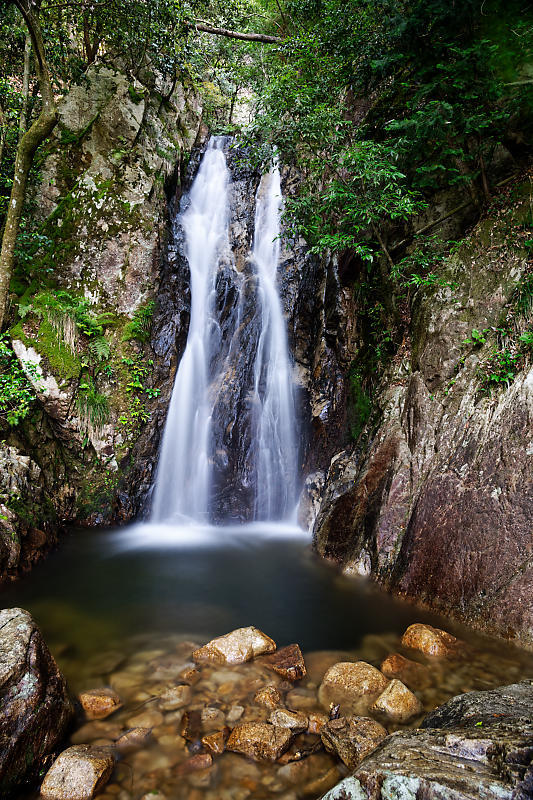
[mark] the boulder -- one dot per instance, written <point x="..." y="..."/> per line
<point x="287" y="662"/>
<point x="431" y="641"/>
<point x="236" y="647"/>
<point x="397" y="703"/>
<point x="352" y="738"/>
<point x="510" y="704"/>
<point x="260" y="740"/>
<point x="413" y="674"/>
<point x="78" y="774"/>
<point x="478" y="745"/>
<point x="35" y="707"/>
<point x="99" y="703"/>
<point x="353" y="685"/>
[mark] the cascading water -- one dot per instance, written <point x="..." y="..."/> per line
<point x="182" y="484"/>
<point x="276" y="441"/>
<point x="229" y="446"/>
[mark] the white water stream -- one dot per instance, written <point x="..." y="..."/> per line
<point x="182" y="483"/>
<point x="184" y="475"/>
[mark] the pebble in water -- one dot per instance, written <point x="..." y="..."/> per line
<point x="182" y="752"/>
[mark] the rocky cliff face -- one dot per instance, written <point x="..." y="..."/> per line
<point x="86" y="302"/>
<point x="435" y="499"/>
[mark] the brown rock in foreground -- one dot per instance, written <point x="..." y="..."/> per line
<point x="34" y="705"/>
<point x="287" y="662"/>
<point x="353" y="685"/>
<point x="413" y="674"/>
<point x="293" y="720"/>
<point x="352" y="738"/>
<point x="99" y="703"/>
<point x="259" y="740"/>
<point x="431" y="641"/>
<point x="236" y="647"/>
<point x="397" y="703"/>
<point x="78" y="774"/>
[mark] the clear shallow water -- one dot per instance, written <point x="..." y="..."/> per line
<point x="204" y="581"/>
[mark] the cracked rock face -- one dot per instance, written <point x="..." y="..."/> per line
<point x="35" y="709"/>
<point x="437" y="505"/>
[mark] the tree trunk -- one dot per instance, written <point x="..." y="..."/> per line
<point x="25" y="87"/>
<point x="3" y="133"/>
<point x="38" y="132"/>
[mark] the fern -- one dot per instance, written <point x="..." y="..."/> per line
<point x="139" y="327"/>
<point x="99" y="348"/>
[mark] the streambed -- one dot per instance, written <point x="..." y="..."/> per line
<point x="123" y="609"/>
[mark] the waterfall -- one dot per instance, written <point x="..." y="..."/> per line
<point x="229" y="443"/>
<point x="276" y="441"/>
<point x="182" y="484"/>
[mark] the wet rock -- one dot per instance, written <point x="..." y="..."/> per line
<point x="431" y="641"/>
<point x="35" y="708"/>
<point x="484" y="749"/>
<point x="197" y="762"/>
<point x="397" y="703"/>
<point x="413" y="674"/>
<point x="289" y="719"/>
<point x="287" y="662"/>
<point x="508" y="704"/>
<point x="236" y="647"/>
<point x="189" y="674"/>
<point x="216" y="742"/>
<point x="259" y="740"/>
<point x="301" y="699"/>
<point x="352" y="738"/>
<point x="316" y="722"/>
<point x="355" y="686"/>
<point x="99" y="703"/>
<point x="78" y="774"/>
<point x="268" y="696"/>
<point x="234" y="714"/>
<point x="147" y="719"/>
<point x="133" y="739"/>
<point x="175" y="697"/>
<point x="212" y="719"/>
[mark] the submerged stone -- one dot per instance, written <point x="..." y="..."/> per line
<point x="431" y="641"/>
<point x="99" y="703"/>
<point x="260" y="740"/>
<point x="397" y="703"/>
<point x="413" y="674"/>
<point x="353" y="685"/>
<point x="267" y="696"/>
<point x="287" y="662"/>
<point x="352" y="738"/>
<point x="78" y="773"/>
<point x="293" y="720"/>
<point x="236" y="647"/>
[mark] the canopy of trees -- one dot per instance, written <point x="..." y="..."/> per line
<point x="378" y="102"/>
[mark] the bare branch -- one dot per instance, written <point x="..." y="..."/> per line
<point x="245" y="37"/>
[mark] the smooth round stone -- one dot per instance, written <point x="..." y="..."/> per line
<point x="147" y="719"/>
<point x="355" y="686"/>
<point x="397" y="703"/>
